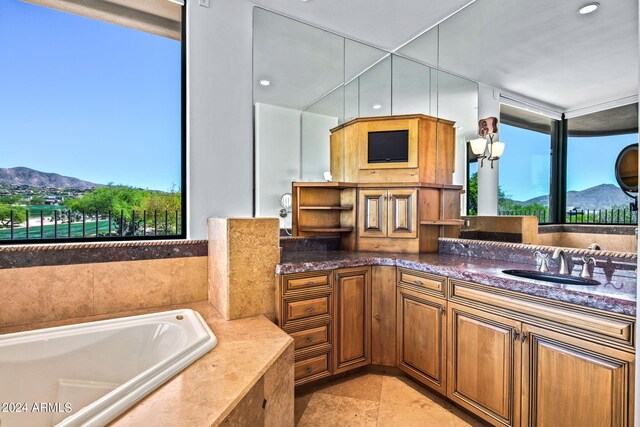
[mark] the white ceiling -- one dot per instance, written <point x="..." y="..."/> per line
<point x="382" y="23"/>
<point x="543" y="49"/>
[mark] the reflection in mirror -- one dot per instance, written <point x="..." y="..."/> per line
<point x="317" y="120"/>
<point x="413" y="89"/>
<point x="367" y="76"/>
<point x="627" y="169"/>
<point x="423" y="49"/>
<point x="301" y="64"/>
<point x="375" y="90"/>
<point x="458" y="101"/>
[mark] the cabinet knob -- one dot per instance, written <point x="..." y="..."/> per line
<point x="309" y="370"/>
<point x="310" y="309"/>
<point x="418" y="282"/>
<point x="516" y="336"/>
<point x="523" y="337"/>
<point x="310" y="282"/>
<point x="309" y="340"/>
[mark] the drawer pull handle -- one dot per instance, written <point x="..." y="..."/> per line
<point x="310" y="309"/>
<point x="309" y="339"/>
<point x="417" y="282"/>
<point x="311" y="282"/>
<point x="309" y="370"/>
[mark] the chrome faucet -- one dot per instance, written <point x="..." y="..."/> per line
<point x="585" y="267"/>
<point x="594" y="247"/>
<point x="564" y="265"/>
<point x="544" y="263"/>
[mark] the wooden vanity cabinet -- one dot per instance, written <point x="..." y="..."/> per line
<point x="352" y="336"/>
<point x="388" y="213"/>
<point x="421" y="335"/>
<point x="572" y="382"/>
<point x="483" y="371"/>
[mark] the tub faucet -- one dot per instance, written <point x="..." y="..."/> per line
<point x="564" y="265"/>
<point x="594" y="247"/>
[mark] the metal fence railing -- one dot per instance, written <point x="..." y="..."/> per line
<point x="584" y="216"/>
<point x="67" y="224"/>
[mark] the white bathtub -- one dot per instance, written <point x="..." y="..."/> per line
<point x="88" y="374"/>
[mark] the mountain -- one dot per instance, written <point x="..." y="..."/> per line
<point x="603" y="196"/>
<point x="34" y="178"/>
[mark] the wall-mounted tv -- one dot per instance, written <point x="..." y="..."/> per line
<point x="388" y="146"/>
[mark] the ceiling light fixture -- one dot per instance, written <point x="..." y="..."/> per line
<point x="265" y="82"/>
<point x="588" y="8"/>
<point x="485" y="147"/>
<point x="376" y="106"/>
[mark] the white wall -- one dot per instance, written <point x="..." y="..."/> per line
<point x="488" y="106"/>
<point x="277" y="136"/>
<point x="220" y="128"/>
<point x="316" y="136"/>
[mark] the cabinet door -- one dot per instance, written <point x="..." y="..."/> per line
<point x="372" y="213"/>
<point x="402" y="218"/>
<point x="422" y="338"/>
<point x="571" y="382"/>
<point x="483" y="372"/>
<point x="353" y="319"/>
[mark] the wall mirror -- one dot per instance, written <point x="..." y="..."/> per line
<point x="307" y="81"/>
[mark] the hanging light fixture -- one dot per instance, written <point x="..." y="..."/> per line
<point x="485" y="147"/>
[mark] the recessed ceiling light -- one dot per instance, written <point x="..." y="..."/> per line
<point x="265" y="82"/>
<point x="376" y="106"/>
<point x="588" y="8"/>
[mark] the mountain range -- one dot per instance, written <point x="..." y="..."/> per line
<point x="603" y="196"/>
<point x="33" y="178"/>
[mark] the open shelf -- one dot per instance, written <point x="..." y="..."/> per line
<point x="326" y="229"/>
<point x="457" y="222"/>
<point x="326" y="208"/>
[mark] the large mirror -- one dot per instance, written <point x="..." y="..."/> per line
<point x="541" y="67"/>
<point x="308" y="81"/>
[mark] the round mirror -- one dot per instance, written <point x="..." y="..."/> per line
<point x="286" y="200"/>
<point x="627" y="169"/>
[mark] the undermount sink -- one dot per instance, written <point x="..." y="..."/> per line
<point x="552" y="277"/>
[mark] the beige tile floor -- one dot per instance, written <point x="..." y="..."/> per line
<point x="375" y="399"/>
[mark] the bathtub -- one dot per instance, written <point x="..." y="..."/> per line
<point x="88" y="374"/>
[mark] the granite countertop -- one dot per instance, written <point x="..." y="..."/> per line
<point x="616" y="294"/>
<point x="205" y="392"/>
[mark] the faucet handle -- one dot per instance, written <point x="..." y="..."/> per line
<point x="544" y="261"/>
<point x="585" y="266"/>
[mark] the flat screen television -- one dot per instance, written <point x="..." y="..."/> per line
<point x="388" y="146"/>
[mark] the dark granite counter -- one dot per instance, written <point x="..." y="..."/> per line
<point x="616" y="294"/>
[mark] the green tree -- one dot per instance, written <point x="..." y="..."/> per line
<point x="167" y="208"/>
<point x="472" y="198"/>
<point x="19" y="215"/>
<point x="125" y="204"/>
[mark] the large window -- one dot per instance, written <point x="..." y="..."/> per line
<point x="91" y="120"/>
<point x="593" y="144"/>
<point x="525" y="167"/>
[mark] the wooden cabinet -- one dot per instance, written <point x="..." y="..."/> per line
<point x="573" y="383"/>
<point x="512" y="359"/>
<point x="421" y="334"/>
<point x="388" y="213"/>
<point x="353" y="319"/>
<point x="484" y="364"/>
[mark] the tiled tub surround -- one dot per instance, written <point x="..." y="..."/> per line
<point x="243" y="253"/>
<point x="20" y="256"/>
<point x="617" y="293"/>
<point x="96" y="279"/>
<point x="609" y="237"/>
<point x="252" y="363"/>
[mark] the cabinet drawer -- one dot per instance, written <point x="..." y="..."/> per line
<point x="310" y="337"/>
<point x="315" y="366"/>
<point x="307" y="308"/>
<point x="314" y="281"/>
<point x="422" y="280"/>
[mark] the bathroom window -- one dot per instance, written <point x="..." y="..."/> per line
<point x="525" y="166"/>
<point x="92" y="117"/>
<point x="593" y="145"/>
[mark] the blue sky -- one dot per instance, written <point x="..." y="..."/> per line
<point x="525" y="166"/>
<point x="88" y="99"/>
